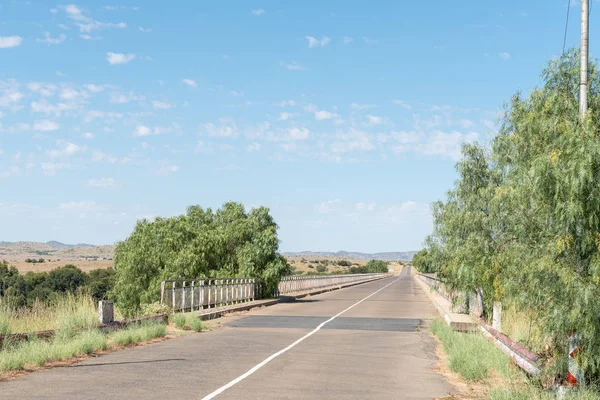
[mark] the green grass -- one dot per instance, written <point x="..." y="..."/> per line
<point x="475" y="359"/>
<point x="139" y="333"/>
<point x="470" y="354"/>
<point x="188" y="322"/>
<point x="179" y="320"/>
<point x="37" y="352"/>
<point x="195" y="324"/>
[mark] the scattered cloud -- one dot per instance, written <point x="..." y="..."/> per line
<point x="370" y="41"/>
<point x="284" y="116"/>
<point x="313" y="42"/>
<point x="374" y="120"/>
<point x="65" y="149"/>
<point x="119" y="58"/>
<point x="145" y="30"/>
<point x="45" y="126"/>
<point x="253" y="147"/>
<point x="348" y="40"/>
<point x="190" y="82"/>
<point x="402" y="104"/>
<point x="162" y="105"/>
<point x="224" y="129"/>
<point x="10" y="41"/>
<point x="143" y="130"/>
<point x="88" y="135"/>
<point x="50" y="40"/>
<point x="292" y="66"/>
<point x="102" y="183"/>
<point x="236" y="94"/>
<point x="166" y="168"/>
<point x="504" y="55"/>
<point x="359" y="107"/>
<point x="90" y="37"/>
<point x="258" y="12"/>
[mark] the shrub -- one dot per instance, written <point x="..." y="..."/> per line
<point x="321" y="268"/>
<point x="179" y="321"/>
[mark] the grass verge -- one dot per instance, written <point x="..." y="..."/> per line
<point x="188" y="322"/>
<point x="478" y="361"/>
<point x="136" y="334"/>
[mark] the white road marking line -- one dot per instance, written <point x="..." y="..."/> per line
<point x="280" y="352"/>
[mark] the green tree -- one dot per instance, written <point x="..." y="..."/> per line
<point x="523" y="220"/>
<point x="230" y="242"/>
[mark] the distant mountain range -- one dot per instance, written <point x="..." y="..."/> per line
<point x="53" y="243"/>
<point x="390" y="256"/>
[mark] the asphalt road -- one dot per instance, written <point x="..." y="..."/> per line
<point x="362" y="342"/>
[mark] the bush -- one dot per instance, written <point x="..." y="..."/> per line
<point x="321" y="268"/>
<point x="229" y="242"/>
<point x="179" y="320"/>
<point x="344" y="263"/>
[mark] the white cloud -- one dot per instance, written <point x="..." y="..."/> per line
<point x="322" y="115"/>
<point x="90" y="37"/>
<point x="370" y="41"/>
<point x="466" y="123"/>
<point x="284" y="116"/>
<point x="50" y="168"/>
<point x="88" y="135"/>
<point x="45" y="108"/>
<point x="10" y="41"/>
<point x="65" y="149"/>
<point x="374" y="120"/>
<point x="225" y="129"/>
<point x="162" y="105"/>
<point x="298" y="133"/>
<point x="504" y="55"/>
<point x="145" y="30"/>
<point x="402" y="104"/>
<point x="292" y="66"/>
<point x="190" y="82"/>
<point x="50" y="40"/>
<point x="94" y="88"/>
<point x="44" y="89"/>
<point x="347" y="40"/>
<point x="258" y="12"/>
<point x="119" y="58"/>
<point x="253" y="147"/>
<point x="286" y="103"/>
<point x="142" y="130"/>
<point x="122" y="98"/>
<point x="87" y="24"/>
<point x="351" y="141"/>
<point x="103" y="183"/>
<point x="313" y="42"/>
<point x="329" y="206"/>
<point x="356" y="106"/>
<point x="236" y="94"/>
<point x="45" y="126"/>
<point x="77" y="205"/>
<point x="166" y="168"/>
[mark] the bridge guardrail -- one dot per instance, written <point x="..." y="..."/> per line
<point x="197" y="294"/>
<point x="300" y="283"/>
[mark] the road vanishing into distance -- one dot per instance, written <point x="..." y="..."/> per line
<point x="362" y="342"/>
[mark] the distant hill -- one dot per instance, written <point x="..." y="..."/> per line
<point x="58" y="245"/>
<point x="389" y="256"/>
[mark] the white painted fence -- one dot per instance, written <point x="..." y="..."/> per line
<point x="196" y="294"/>
<point x="300" y="283"/>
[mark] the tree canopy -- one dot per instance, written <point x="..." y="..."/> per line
<point x="230" y="242"/>
<point x="523" y="220"/>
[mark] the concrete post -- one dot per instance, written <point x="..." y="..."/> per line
<point x="497" y="316"/>
<point x="106" y="313"/>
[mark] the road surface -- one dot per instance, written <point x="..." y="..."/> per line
<point x="362" y="342"/>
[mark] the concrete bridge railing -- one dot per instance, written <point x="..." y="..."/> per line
<point x="300" y="283"/>
<point x="197" y="294"/>
<point x="201" y="293"/>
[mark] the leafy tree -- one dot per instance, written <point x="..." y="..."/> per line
<point x="523" y="220"/>
<point x="201" y="243"/>
<point x="377" y="266"/>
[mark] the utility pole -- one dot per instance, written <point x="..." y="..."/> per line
<point x="583" y="83"/>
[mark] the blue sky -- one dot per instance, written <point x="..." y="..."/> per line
<point x="345" y="118"/>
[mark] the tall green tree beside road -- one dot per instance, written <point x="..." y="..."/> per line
<point x="230" y="242"/>
<point x="523" y="220"/>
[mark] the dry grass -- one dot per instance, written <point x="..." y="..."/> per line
<point x="65" y="313"/>
<point x="301" y="263"/>
<point x="46" y="266"/>
<point x="519" y="326"/>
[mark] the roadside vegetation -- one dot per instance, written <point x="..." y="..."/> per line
<point x="486" y="370"/>
<point x="522" y="222"/>
<point x="69" y="343"/>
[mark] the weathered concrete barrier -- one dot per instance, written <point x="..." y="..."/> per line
<point x="197" y="294"/>
<point x="301" y="283"/>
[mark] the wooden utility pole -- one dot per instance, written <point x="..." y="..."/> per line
<point x="583" y="83"/>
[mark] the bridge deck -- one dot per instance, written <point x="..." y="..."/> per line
<point x="373" y="350"/>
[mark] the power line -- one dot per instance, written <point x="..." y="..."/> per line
<point x="566" y="27"/>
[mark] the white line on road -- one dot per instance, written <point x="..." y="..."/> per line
<point x="280" y="352"/>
